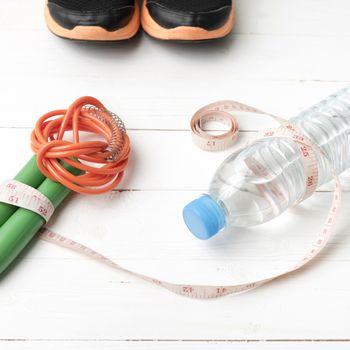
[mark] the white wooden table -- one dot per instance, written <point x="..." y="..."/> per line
<point x="284" y="56"/>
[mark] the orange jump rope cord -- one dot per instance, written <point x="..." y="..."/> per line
<point x="102" y="162"/>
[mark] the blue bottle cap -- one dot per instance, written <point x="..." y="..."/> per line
<point x="204" y="217"/>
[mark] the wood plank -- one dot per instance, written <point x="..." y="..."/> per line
<point x="170" y="345"/>
<point x="283" y="17"/>
<point x="167" y="104"/>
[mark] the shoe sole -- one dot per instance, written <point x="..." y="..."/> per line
<point x="95" y="33"/>
<point x="184" y="33"/>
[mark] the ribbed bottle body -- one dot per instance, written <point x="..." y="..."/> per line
<point x="251" y="197"/>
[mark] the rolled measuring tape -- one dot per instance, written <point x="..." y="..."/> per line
<point x="286" y="130"/>
<point x="218" y="112"/>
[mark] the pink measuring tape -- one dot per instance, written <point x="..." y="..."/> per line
<point x="21" y="195"/>
<point x="286" y="130"/>
<point x="215" y="112"/>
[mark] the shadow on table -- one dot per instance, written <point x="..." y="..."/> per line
<point x="127" y="47"/>
<point x="209" y="47"/>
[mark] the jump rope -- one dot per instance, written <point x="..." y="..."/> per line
<point x="60" y="166"/>
<point x="97" y="166"/>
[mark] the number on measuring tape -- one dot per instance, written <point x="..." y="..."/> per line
<point x="23" y="196"/>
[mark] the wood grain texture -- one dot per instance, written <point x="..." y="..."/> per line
<point x="282" y="57"/>
<point x="171" y="345"/>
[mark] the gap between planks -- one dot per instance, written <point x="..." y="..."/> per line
<point x="180" y="340"/>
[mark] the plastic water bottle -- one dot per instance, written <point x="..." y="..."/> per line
<point x="238" y="196"/>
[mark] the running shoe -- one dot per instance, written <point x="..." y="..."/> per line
<point x="187" y="20"/>
<point x="95" y="20"/>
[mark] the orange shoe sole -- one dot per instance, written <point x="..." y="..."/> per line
<point x="95" y="33"/>
<point x="184" y="33"/>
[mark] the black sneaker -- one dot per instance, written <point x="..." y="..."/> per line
<point x="187" y="19"/>
<point x="97" y="20"/>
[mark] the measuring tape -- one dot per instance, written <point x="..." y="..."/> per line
<point x="216" y="112"/>
<point x="25" y="197"/>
